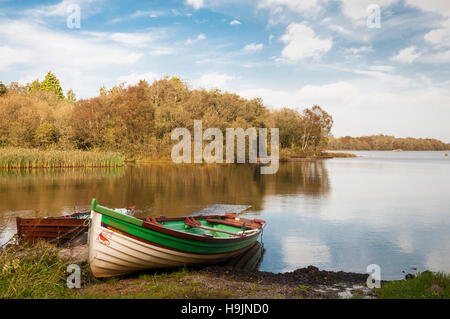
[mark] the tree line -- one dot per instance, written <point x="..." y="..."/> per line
<point x="386" y="143"/>
<point x="137" y="120"/>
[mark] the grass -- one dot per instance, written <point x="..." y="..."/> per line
<point x="302" y="288"/>
<point x="165" y="285"/>
<point x="426" y="285"/>
<point x="39" y="274"/>
<point x="13" y="158"/>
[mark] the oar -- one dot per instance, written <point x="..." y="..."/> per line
<point x="190" y="221"/>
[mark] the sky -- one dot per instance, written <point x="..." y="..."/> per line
<point x="392" y="78"/>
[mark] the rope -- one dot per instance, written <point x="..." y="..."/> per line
<point x="79" y="229"/>
<point x="12" y="239"/>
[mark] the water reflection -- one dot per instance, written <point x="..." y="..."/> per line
<point x="156" y="189"/>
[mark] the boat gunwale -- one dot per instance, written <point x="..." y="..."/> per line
<point x="171" y="232"/>
<point x="151" y="243"/>
<point x="196" y="237"/>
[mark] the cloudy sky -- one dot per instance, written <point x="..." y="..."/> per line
<point x="295" y="53"/>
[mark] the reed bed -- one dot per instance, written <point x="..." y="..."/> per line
<point x="13" y="158"/>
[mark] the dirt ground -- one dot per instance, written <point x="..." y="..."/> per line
<point x="227" y="281"/>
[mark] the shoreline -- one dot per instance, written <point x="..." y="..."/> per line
<point x="41" y="271"/>
<point x="225" y="280"/>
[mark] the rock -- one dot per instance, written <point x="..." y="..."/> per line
<point x="75" y="255"/>
<point x="79" y="240"/>
<point x="409" y="276"/>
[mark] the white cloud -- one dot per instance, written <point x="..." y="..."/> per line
<point x="196" y="4"/>
<point x="148" y="13"/>
<point x="407" y="55"/>
<point x="302" y="42"/>
<point x="61" y="9"/>
<point x="162" y="51"/>
<point x="214" y="81"/>
<point x="382" y="68"/>
<point x="235" y="22"/>
<point x="375" y="102"/>
<point x="299" y="6"/>
<point x="253" y="47"/>
<point x="200" y="37"/>
<point x="287" y="11"/>
<point x="10" y="56"/>
<point x="339" y="29"/>
<point x="134" y="78"/>
<point x="441" y="7"/>
<point x="82" y="61"/>
<point x="439" y="37"/>
<point x="437" y="58"/>
<point x="359" y="50"/>
<point x="52" y="47"/>
<point x="139" y="40"/>
<point x="326" y="20"/>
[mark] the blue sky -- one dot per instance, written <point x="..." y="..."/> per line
<point x="392" y="80"/>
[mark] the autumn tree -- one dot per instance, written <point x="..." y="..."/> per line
<point x="45" y="135"/>
<point x="289" y="123"/>
<point x="316" y="128"/>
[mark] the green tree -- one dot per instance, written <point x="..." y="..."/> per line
<point x="71" y="96"/>
<point x="51" y="83"/>
<point x="34" y="86"/>
<point x="3" y="89"/>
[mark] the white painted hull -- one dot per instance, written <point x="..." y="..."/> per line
<point x="123" y="254"/>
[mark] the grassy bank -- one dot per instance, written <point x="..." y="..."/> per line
<point x="40" y="273"/>
<point x="11" y="158"/>
<point x="289" y="156"/>
<point x="37" y="275"/>
<point x="426" y="285"/>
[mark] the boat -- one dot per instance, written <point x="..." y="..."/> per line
<point x="121" y="244"/>
<point x="57" y="230"/>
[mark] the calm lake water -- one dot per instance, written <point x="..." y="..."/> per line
<point x="385" y="208"/>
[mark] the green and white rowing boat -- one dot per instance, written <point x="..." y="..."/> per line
<point x="121" y="244"/>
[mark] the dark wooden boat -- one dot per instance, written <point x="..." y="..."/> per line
<point x="57" y="230"/>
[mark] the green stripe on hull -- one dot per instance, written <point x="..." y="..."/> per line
<point x="109" y="212"/>
<point x="186" y="245"/>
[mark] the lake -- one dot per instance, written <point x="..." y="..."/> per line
<point x="385" y="208"/>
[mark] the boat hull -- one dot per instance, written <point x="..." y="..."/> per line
<point x="57" y="230"/>
<point x="115" y="249"/>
